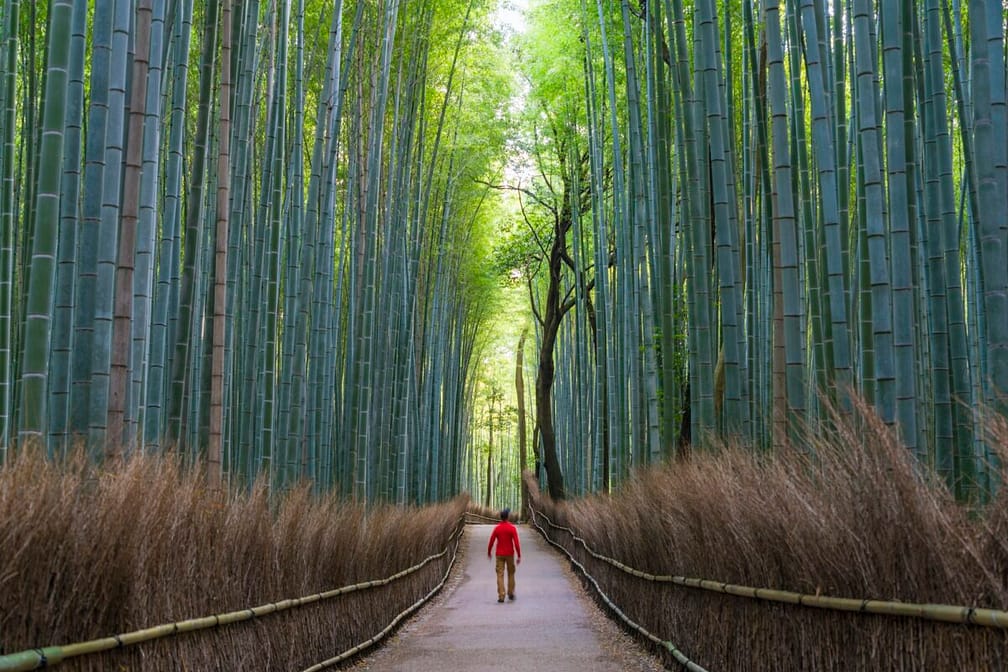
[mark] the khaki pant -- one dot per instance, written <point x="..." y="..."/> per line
<point x="502" y="562"/>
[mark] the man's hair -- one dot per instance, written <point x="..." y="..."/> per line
<point x="505" y="513"/>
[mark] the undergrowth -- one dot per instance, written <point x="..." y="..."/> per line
<point x="848" y="514"/>
<point x="486" y="515"/>
<point x="88" y="553"/>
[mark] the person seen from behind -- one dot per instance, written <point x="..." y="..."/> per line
<point x="508" y="554"/>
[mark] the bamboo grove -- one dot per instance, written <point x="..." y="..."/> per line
<point x="769" y="207"/>
<point x="248" y="232"/>
<point x="257" y="233"/>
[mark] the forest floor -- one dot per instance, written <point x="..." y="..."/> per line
<point x="552" y="624"/>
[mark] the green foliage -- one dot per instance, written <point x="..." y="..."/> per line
<point x="551" y="54"/>
<point x="519" y="249"/>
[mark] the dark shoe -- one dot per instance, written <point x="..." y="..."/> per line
<point x="500" y="599"/>
<point x="510" y="597"/>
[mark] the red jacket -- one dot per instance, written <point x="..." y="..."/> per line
<point x="506" y="536"/>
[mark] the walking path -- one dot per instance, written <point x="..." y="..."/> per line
<point x="552" y="625"/>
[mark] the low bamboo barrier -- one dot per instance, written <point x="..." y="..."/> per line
<point x="350" y="653"/>
<point x="34" y="659"/>
<point x="669" y="646"/>
<point x="992" y="618"/>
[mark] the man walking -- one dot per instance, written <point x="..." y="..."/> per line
<point x="506" y="536"/>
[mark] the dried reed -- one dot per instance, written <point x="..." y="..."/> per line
<point x="849" y="514"/>
<point x="487" y="515"/>
<point x="88" y="552"/>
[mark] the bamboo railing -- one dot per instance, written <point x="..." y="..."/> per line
<point x="34" y="659"/>
<point x="681" y="657"/>
<point x="946" y="613"/>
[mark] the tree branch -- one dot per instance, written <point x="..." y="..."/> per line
<point x="569" y="300"/>
<point x="532" y="302"/>
<point x="521" y="190"/>
<point x="532" y="230"/>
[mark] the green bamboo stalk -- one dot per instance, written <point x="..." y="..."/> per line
<point x="623" y="355"/>
<point x="107" y="236"/>
<point x="160" y="354"/>
<point x="785" y="230"/>
<point x="59" y="384"/>
<point x="939" y="215"/>
<point x="957" y="62"/>
<point x="988" y="125"/>
<point x="272" y="200"/>
<point x="728" y="260"/>
<point x="181" y="383"/>
<point x="8" y="208"/>
<point x="692" y="166"/>
<point x="949" y="348"/>
<point x="760" y="212"/>
<point x="45" y="228"/>
<point x="638" y="214"/>
<point x="25" y="197"/>
<point x="809" y="239"/>
<point x="197" y="410"/>
<point x="584" y="364"/>
<point x="297" y="256"/>
<point x="660" y="220"/>
<point x="319" y="186"/>
<point x="828" y="162"/>
<point x="86" y="264"/>
<point x="605" y="364"/>
<point x="244" y="263"/>
<point x="900" y="221"/>
<point x="876" y="238"/>
<point x="147" y="231"/>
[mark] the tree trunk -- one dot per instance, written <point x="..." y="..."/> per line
<point x="215" y="449"/>
<point x="122" y="331"/>
<point x="551" y="317"/>
<point x="522" y="443"/>
<point x="489" y="471"/>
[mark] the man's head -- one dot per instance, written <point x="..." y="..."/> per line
<point x="505" y="513"/>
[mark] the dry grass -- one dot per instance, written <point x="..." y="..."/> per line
<point x="860" y="520"/>
<point x="89" y="553"/>
<point x="488" y="515"/>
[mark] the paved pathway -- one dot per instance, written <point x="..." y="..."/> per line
<point x="551" y="625"/>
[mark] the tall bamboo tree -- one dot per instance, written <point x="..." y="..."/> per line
<point x="45" y="228"/>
